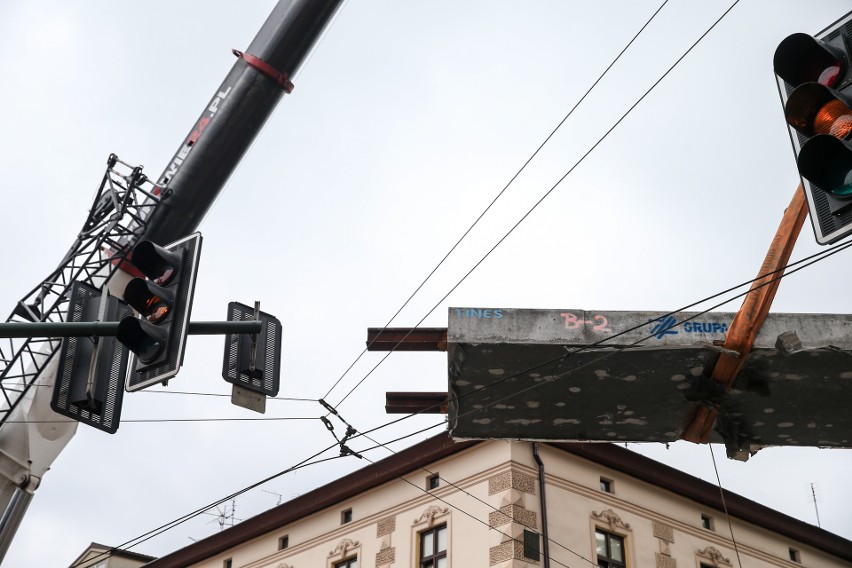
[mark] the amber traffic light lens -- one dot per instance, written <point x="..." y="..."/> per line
<point x="155" y="309"/>
<point x="833" y="118"/>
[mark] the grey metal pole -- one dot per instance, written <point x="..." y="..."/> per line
<point x="109" y="328"/>
<point x="12" y="517"/>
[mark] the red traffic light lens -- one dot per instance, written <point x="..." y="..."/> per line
<point x="829" y="76"/>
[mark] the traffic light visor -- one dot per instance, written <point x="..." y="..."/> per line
<point x="153" y="302"/>
<point x="801" y="58"/>
<point x="815" y="109"/>
<point x="155" y="262"/>
<point x="827" y="162"/>
<point x="145" y="340"/>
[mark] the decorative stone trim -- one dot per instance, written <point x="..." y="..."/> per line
<point x="513" y="513"/>
<point x="714" y="555"/>
<point x="344" y="546"/>
<point x="385" y="556"/>
<point x="511" y="480"/>
<point x="611" y="518"/>
<point x="499" y="518"/>
<point x="385" y="526"/>
<point x="283" y="565"/>
<point x="428" y="516"/>
<point x="500" y="553"/>
<point x="664" y="561"/>
<point x="663" y="532"/>
<point x="509" y="550"/>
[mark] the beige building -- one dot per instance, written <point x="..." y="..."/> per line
<point x="441" y="504"/>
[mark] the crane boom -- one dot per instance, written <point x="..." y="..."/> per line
<point x="128" y="207"/>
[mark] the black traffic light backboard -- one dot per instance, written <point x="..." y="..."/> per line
<point x="264" y="376"/>
<point x="163" y="301"/>
<point x="90" y="389"/>
<point x="814" y="75"/>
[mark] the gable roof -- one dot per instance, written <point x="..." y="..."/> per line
<point x="96" y="549"/>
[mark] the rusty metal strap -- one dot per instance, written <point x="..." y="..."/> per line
<point x="744" y="329"/>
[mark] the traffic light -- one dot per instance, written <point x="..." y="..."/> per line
<point x="163" y="301"/>
<point x="815" y="83"/>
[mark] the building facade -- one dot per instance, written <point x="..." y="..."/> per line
<point x="441" y="504"/>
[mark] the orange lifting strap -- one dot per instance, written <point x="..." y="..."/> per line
<point x="743" y="331"/>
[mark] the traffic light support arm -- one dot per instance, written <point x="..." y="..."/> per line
<point x="109" y="328"/>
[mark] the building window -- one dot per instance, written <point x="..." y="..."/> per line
<point x="707" y="522"/>
<point x="433" y="481"/>
<point x="283" y="542"/>
<point x="532" y="549"/>
<point x="795" y="556"/>
<point x="433" y="548"/>
<point x="606" y="485"/>
<point x="610" y="549"/>
<point x="346" y="516"/>
<point x="227" y="563"/>
<point x="348" y="563"/>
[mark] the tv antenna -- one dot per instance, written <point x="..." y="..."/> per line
<point x="224" y="515"/>
<point x="274" y="493"/>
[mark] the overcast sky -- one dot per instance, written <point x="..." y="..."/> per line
<point x="406" y="121"/>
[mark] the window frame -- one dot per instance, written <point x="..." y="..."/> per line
<point x="795" y="554"/>
<point x="608" y="559"/>
<point x="347" y="562"/>
<point x="607" y="485"/>
<point x="436" y="554"/>
<point x="433" y="482"/>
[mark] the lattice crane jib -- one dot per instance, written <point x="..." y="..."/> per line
<point x="125" y="199"/>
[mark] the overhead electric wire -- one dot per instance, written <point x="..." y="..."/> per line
<point x="197" y="512"/>
<point x="180" y="520"/>
<point x="548" y="192"/>
<point x="157" y="420"/>
<point x="725" y="507"/>
<point x="501" y="192"/>
<point x="285" y="398"/>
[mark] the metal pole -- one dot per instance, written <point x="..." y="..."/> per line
<point x="12" y="517"/>
<point x="109" y="328"/>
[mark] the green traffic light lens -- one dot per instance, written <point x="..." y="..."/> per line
<point x="826" y="161"/>
<point x="845" y="190"/>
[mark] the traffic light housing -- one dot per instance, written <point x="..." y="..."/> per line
<point x="163" y="302"/>
<point x="814" y="75"/>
